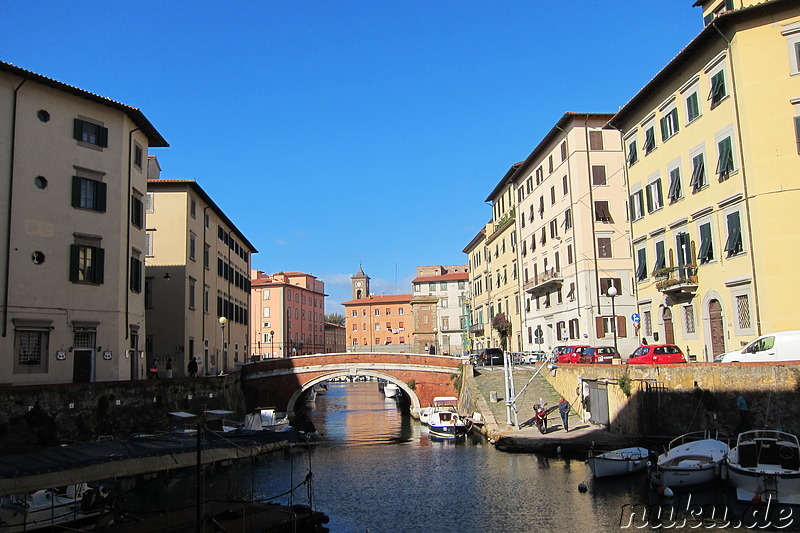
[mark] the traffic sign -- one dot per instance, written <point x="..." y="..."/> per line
<point x="635" y="317"/>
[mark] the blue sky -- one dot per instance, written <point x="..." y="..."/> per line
<point x="338" y="133"/>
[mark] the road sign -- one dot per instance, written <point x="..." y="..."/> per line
<point x="635" y="317"/>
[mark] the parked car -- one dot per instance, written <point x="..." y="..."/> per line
<point x="651" y="354"/>
<point x="598" y="354"/>
<point x="779" y="346"/>
<point x="534" y="357"/>
<point x="492" y="356"/>
<point x="570" y="354"/>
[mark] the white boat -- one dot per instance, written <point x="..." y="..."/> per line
<point x="618" y="462"/>
<point x="266" y="418"/>
<point x="321" y="389"/>
<point x="50" y="508"/>
<point x="425" y="414"/>
<point x="765" y="465"/>
<point x="692" y="459"/>
<point x="390" y="390"/>
<point x="444" y="422"/>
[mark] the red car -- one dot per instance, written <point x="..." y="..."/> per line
<point x="569" y="354"/>
<point x="598" y="354"/>
<point x="653" y="354"/>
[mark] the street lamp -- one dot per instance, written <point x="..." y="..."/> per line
<point x="271" y="344"/>
<point x="222" y="322"/>
<point x="612" y="293"/>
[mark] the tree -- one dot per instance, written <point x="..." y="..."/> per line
<point x="334" y="318"/>
<point x="502" y="325"/>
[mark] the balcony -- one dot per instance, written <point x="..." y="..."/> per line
<point x="547" y="281"/>
<point x="676" y="280"/>
<point x="476" y="329"/>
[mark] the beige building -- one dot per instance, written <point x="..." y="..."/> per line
<point x="574" y="241"/>
<point x="712" y="144"/>
<point x="74" y="180"/>
<point x="335" y="338"/>
<point x="476" y="299"/>
<point x="288" y="314"/>
<point x="197" y="286"/>
<point x="448" y="286"/>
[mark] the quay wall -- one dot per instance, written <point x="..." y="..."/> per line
<point x="676" y="399"/>
<point x="80" y="412"/>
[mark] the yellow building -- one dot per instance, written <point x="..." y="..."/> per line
<point x="712" y="148"/>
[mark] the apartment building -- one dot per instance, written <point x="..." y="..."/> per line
<point x="377" y="323"/>
<point x="444" y="288"/>
<point x="74" y="180"/>
<point x="288" y="314"/>
<point x="712" y="147"/>
<point x="197" y="285"/>
<point x="574" y="240"/>
<point x="335" y="338"/>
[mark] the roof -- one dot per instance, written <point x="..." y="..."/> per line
<point x="510" y="172"/>
<point x="454" y="276"/>
<point x="154" y="138"/>
<point x="697" y="45"/>
<point x="160" y="183"/>
<point x="382" y="299"/>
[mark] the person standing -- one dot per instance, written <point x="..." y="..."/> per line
<point x="154" y="370"/>
<point x="169" y="367"/>
<point x="744" y="415"/>
<point x="192" y="368"/>
<point x="563" y="410"/>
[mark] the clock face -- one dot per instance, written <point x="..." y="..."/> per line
<point x="358" y="283"/>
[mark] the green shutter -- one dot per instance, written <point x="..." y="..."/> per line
<point x="74" y="259"/>
<point x="76" y="191"/>
<point x="102" y="136"/>
<point x="734" y="243"/>
<point x="797" y="132"/>
<point x="102" y="192"/>
<point x="660" y="260"/>
<point x="641" y="269"/>
<point x="77" y="129"/>
<point x="98" y="261"/>
<point x="649" y="200"/>
<point x="664" y="129"/>
<point x="659" y="194"/>
<point x="705" y="244"/>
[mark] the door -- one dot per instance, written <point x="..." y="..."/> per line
<point x="717" y="331"/>
<point x="598" y="403"/>
<point x="669" y="332"/>
<point x="82" y="366"/>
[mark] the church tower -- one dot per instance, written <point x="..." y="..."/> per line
<point x="360" y="283"/>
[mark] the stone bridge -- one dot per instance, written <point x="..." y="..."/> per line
<point x="280" y="383"/>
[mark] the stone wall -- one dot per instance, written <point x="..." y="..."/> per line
<point x="676" y="399"/>
<point x="44" y="416"/>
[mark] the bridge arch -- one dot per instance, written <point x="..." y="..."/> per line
<point x="415" y="403"/>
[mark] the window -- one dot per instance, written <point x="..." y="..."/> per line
<point x="706" y="253"/>
<point x="602" y="213"/>
<point x="567" y="219"/>
<point x="148" y="200"/>
<point x="563" y="150"/>
<point x="725" y="161"/>
<point x="598" y="175"/>
<point x="733" y="245"/>
<point x="633" y="157"/>
<point x="649" y="140"/>
<point x="207" y="256"/>
<point x="206" y="292"/>
<point x="654" y="199"/>
<point x="148" y="243"/>
<point x="31" y="346"/>
<point x="554" y="228"/>
<point x="86" y="264"/>
<point x="136" y="275"/>
<point x="432" y="286"/>
<point x="444" y="302"/>
<point x="688" y="319"/>
<point x="550" y="163"/>
<point x="718" y="91"/>
<point x="137" y="155"/>
<point x="552" y="195"/>
<point x="192" y="246"/>
<point x="137" y="212"/>
<point x="569" y="254"/>
<point x="743" y="311"/>
<point x="88" y="194"/>
<point x="539" y="175"/>
<point x="564" y="185"/>
<point x="692" y="107"/>
<point x="675" y="190"/>
<point x="192" y="285"/>
<point x="604" y="247"/>
<point x="797" y="131"/>
<point x="641" y="264"/>
<point x="698" y="173"/>
<point x="669" y="124"/>
<point x="661" y="261"/>
<point x="648" y="324"/>
<point x="606" y="283"/>
<point x="637" y="205"/>
<point x="193" y="208"/>
<point x="595" y="140"/>
<point x="90" y="133"/>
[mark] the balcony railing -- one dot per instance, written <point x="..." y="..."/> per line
<point x="677" y="279"/>
<point x="546" y="281"/>
<point x="476" y="329"/>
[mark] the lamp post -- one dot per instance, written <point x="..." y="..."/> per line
<point x="272" y="344"/>
<point x="222" y="321"/>
<point x="612" y="293"/>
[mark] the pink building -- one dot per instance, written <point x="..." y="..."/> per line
<point x="287" y="314"/>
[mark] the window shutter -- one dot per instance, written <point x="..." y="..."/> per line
<point x="797" y="132"/>
<point x="98" y="258"/>
<point x="659" y="194"/>
<point x="74" y="259"/>
<point x="621" y="331"/>
<point x="76" y="191"/>
<point x="102" y="191"/>
<point x="664" y="130"/>
<point x="598" y="322"/>
<point x="77" y="129"/>
<point x="632" y="207"/>
<point x="102" y="137"/>
<point x="649" y="199"/>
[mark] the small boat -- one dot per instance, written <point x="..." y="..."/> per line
<point x="390" y="390"/>
<point x="618" y="462"/>
<point x="690" y="460"/>
<point x="765" y="465"/>
<point x="425" y="415"/>
<point x="321" y="389"/>
<point x="444" y="422"/>
<point x="73" y="505"/>
<point x="266" y="418"/>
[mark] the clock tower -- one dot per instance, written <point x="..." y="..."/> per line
<point x="360" y="284"/>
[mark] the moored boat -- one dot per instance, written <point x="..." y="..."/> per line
<point x="390" y="390"/>
<point x="765" y="466"/>
<point x="444" y="422"/>
<point x="618" y="462"/>
<point x="50" y="508"/>
<point x="690" y="460"/>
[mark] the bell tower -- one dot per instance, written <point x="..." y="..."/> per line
<point x="360" y="283"/>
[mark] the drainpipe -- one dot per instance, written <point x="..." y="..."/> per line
<point x="7" y="279"/>
<point x="744" y="179"/>
<point x="128" y="237"/>
<point x="203" y="322"/>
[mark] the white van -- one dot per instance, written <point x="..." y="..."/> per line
<point x="779" y="346"/>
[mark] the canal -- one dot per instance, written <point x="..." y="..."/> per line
<point x="376" y="470"/>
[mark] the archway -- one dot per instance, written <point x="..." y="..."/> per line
<point x="669" y="332"/>
<point x="414" y="399"/>
<point x="717" y="328"/>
